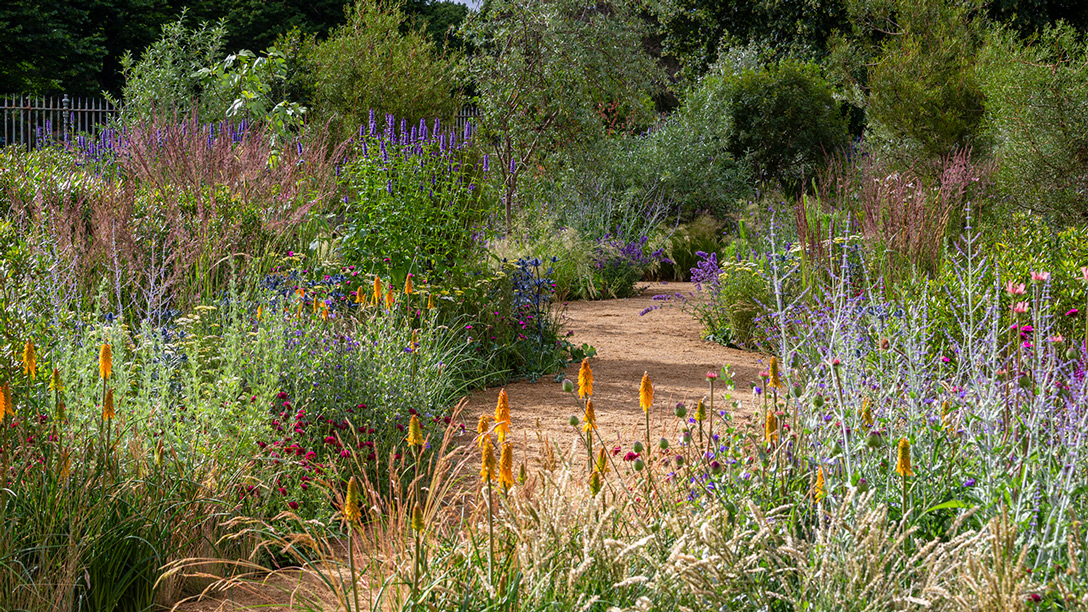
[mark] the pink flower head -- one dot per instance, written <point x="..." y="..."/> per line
<point x="1040" y="277"/>
<point x="1020" y="307"/>
<point x="1013" y="289"/>
<point x="711" y="375"/>
<point x="1072" y="312"/>
<point x="1084" y="273"/>
<point x="1056" y="338"/>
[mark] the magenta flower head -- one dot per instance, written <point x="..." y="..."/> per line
<point x="1040" y="277"/>
<point x="1013" y="289"/>
<point x="1020" y="307"/>
<point x="1072" y="312"/>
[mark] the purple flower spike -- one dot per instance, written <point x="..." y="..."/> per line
<point x="487" y="162"/>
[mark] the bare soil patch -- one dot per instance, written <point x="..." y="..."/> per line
<point x="664" y="343"/>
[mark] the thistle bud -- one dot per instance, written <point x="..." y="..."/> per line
<point x="663" y="443"/>
<point x="639" y="465"/>
<point x="637" y="446"/>
<point x="681" y="410"/>
<point x="568" y="385"/>
<point x="573" y="420"/>
<point x="679" y="461"/>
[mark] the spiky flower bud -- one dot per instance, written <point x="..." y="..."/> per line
<point x="502" y="415"/>
<point x="902" y="463"/>
<point x="591" y="417"/>
<point x="107" y="406"/>
<point x="585" y="379"/>
<point x="417" y="519"/>
<point x="415" y="432"/>
<point x="105" y="361"/>
<point x="646" y="392"/>
<point x="30" y="360"/>
<point x="595" y="483"/>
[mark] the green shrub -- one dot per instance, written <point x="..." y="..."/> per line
<point x="924" y="98"/>
<point x="413" y="208"/>
<point x="165" y="79"/>
<point x="1037" y="114"/>
<point x="369" y="63"/>
<point x="785" y="122"/>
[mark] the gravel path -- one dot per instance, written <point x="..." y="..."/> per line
<point x="664" y="343"/>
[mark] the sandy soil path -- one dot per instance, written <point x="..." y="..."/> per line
<point x="664" y="343"/>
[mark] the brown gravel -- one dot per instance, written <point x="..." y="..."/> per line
<point x="664" y="343"/>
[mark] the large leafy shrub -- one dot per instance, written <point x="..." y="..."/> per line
<point x="924" y="97"/>
<point x="370" y="63"/>
<point x="165" y="80"/>
<point x="1037" y="114"/>
<point x="785" y="122"/>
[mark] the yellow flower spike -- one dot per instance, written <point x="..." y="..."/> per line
<point x="430" y="301"/>
<point x="487" y="460"/>
<point x="646" y="392"/>
<point x="409" y="288"/>
<point x="324" y="311"/>
<point x="260" y="312"/>
<point x="105" y="361"/>
<point x="776" y="380"/>
<point x="502" y="415"/>
<point x="415" y="432"/>
<point x="902" y="463"/>
<point x="107" y="406"/>
<point x="595" y="483"/>
<point x="772" y="427"/>
<point x="30" y="360"/>
<point x="482" y="427"/>
<point x="602" y="460"/>
<point x="591" y="417"/>
<point x="6" y="407"/>
<point x="946" y="416"/>
<point x="359" y="299"/>
<point x="351" y="511"/>
<point x="700" y="410"/>
<point x="315" y="306"/>
<point x="585" y="379"/>
<point x="506" y="465"/>
<point x="390" y="299"/>
<point x="818" y="491"/>
<point x="417" y="519"/>
<point x="866" y="413"/>
<point x="378" y="292"/>
<point x="415" y="340"/>
<point x="54" y="382"/>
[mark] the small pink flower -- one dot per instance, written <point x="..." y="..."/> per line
<point x="1056" y="338"/>
<point x="1084" y="273"/>
<point x="711" y="375"/>
<point x="1072" y="312"/>
<point x="1013" y="289"/>
<point x="1020" y="307"/>
<point x="1040" y="277"/>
